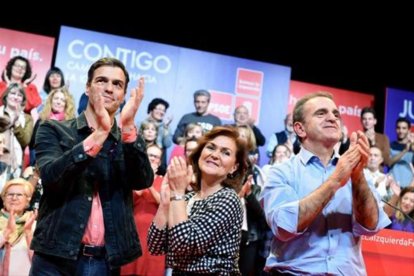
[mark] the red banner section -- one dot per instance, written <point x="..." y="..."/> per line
<point x="249" y="82"/>
<point x="389" y="253"/>
<point x="349" y="103"/>
<point x="36" y="48"/>
<point x="221" y="105"/>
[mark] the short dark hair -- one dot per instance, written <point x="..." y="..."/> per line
<point x="156" y="101"/>
<point x="368" y="109"/>
<point x="235" y="181"/>
<point x="53" y="70"/>
<point x="108" y="61"/>
<point x="403" y="120"/>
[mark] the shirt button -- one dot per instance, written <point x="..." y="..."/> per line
<point x="82" y="226"/>
<point x="89" y="198"/>
<point x="80" y="155"/>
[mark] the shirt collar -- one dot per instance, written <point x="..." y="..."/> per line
<point x="306" y="156"/>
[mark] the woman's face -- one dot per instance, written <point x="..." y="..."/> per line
<point x="281" y="154"/>
<point x="218" y="158"/>
<point x="16" y="199"/>
<point x="407" y="203"/>
<point x="150" y="133"/>
<point x="196" y="132"/>
<point x="15" y="98"/>
<point x="154" y="156"/>
<point x="158" y="112"/>
<point x="58" y="102"/>
<point x="18" y="70"/>
<point x="55" y="80"/>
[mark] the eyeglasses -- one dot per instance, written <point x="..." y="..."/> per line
<point x="154" y="156"/>
<point x="12" y="195"/>
<point x="23" y="67"/>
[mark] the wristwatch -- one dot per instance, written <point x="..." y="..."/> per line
<point x="177" y="197"/>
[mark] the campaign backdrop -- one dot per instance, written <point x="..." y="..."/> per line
<point x="398" y="103"/>
<point x="37" y="49"/>
<point x="350" y="103"/>
<point x="174" y="73"/>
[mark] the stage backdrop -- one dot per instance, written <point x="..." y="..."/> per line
<point x="349" y="103"/>
<point x="174" y="73"/>
<point x="398" y="103"/>
<point x="37" y="49"/>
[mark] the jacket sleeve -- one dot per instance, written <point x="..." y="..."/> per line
<point x="61" y="158"/>
<point x="138" y="168"/>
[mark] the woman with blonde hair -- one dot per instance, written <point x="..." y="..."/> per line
<point x="59" y="106"/>
<point x="16" y="228"/>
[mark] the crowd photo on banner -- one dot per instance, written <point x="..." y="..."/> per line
<point x="190" y="168"/>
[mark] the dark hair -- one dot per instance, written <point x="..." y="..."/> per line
<point x="235" y="181"/>
<point x="9" y="89"/>
<point x="108" y="61"/>
<point x="10" y="63"/>
<point x="368" y="109"/>
<point x="298" y="110"/>
<point x="53" y="70"/>
<point x="403" y="120"/>
<point x="156" y="101"/>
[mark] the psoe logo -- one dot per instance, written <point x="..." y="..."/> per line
<point x="407" y="110"/>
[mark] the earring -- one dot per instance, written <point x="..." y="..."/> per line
<point x="231" y="175"/>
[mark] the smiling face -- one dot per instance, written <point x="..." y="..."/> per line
<point x="18" y="70"/>
<point x="15" y="98"/>
<point x="55" y="80"/>
<point x="110" y="82"/>
<point x="407" y="202"/>
<point x="154" y="155"/>
<point x="321" y="122"/>
<point x="218" y="158"/>
<point x="241" y="115"/>
<point x="58" y="102"/>
<point x="16" y="199"/>
<point x="158" y="112"/>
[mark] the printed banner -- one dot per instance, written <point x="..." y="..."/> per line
<point x="37" y="49"/>
<point x="398" y="103"/>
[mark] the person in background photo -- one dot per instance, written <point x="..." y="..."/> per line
<point x="54" y="79"/>
<point x="400" y="208"/>
<point x="201" y="116"/>
<point x="19" y="71"/>
<point x="89" y="168"/>
<point x="157" y="109"/>
<point x="16" y="228"/>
